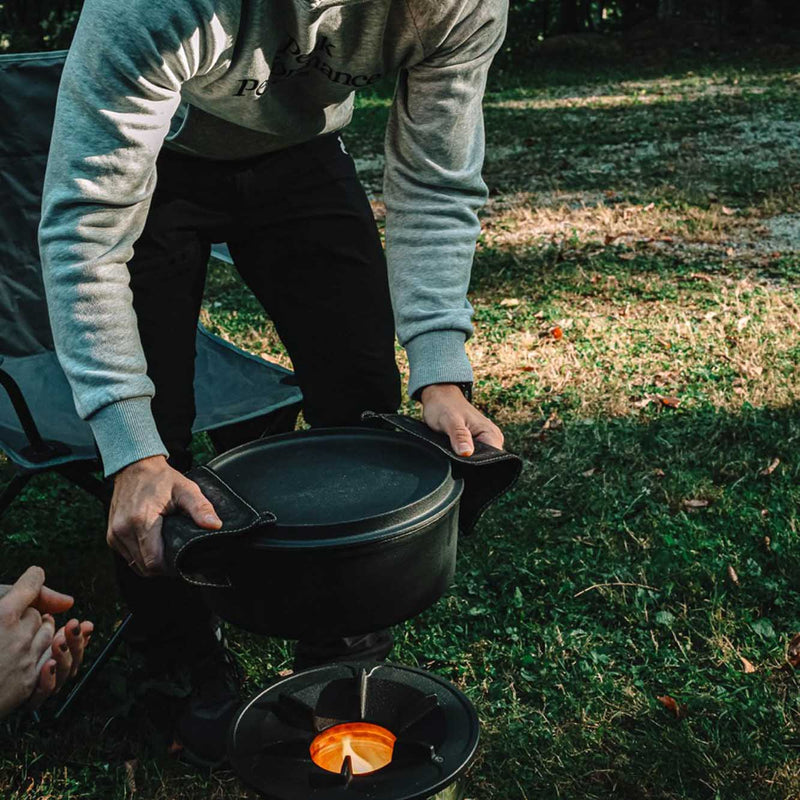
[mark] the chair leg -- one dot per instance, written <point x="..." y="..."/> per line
<point x="10" y="493"/>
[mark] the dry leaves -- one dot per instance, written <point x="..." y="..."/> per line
<point x="732" y="576"/>
<point x="677" y="709"/>
<point x="669" y="402"/>
<point x="771" y="468"/>
<point x="746" y="665"/>
<point x="693" y="504"/>
<point x="509" y="302"/>
<point x="728" y="212"/>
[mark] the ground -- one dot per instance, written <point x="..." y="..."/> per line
<point x="621" y="618"/>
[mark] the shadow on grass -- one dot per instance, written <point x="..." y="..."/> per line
<point x="600" y="583"/>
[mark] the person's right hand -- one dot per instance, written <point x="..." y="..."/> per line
<point x="25" y="638"/>
<point x="145" y="492"/>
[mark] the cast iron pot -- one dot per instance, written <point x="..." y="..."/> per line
<point x="333" y="532"/>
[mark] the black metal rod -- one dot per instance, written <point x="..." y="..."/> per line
<point x="105" y="655"/>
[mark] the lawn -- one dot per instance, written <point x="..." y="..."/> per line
<point x="621" y="618"/>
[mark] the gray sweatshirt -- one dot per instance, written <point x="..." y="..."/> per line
<point x="231" y="79"/>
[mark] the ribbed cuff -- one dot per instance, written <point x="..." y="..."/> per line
<point x="125" y="432"/>
<point x="437" y="357"/>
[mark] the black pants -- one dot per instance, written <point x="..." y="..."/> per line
<point x="301" y="232"/>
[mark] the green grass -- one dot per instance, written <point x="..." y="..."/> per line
<point x="644" y="552"/>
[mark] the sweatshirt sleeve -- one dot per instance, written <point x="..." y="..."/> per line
<point x="433" y="189"/>
<point x="119" y="90"/>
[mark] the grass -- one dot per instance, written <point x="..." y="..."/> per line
<point x="650" y="549"/>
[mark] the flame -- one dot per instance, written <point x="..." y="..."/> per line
<point x="369" y="747"/>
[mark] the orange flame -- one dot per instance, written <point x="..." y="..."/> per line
<point x="370" y="747"/>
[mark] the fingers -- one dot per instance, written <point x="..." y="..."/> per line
<point x="52" y="602"/>
<point x="137" y="538"/>
<point x="62" y="656"/>
<point x="150" y="558"/>
<point x="460" y="436"/>
<point x="77" y="635"/>
<point x="23" y="593"/>
<point x="191" y="500"/>
<point x="46" y="683"/>
<point x="492" y="436"/>
<point x="43" y="637"/>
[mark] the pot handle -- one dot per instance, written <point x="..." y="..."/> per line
<point x="190" y="552"/>
<point x="487" y="474"/>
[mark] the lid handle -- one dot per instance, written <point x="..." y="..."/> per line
<point x="487" y="474"/>
<point x="191" y="552"/>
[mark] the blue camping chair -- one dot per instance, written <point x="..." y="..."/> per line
<point x="39" y="427"/>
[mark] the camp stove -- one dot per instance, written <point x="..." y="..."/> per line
<point x="348" y="731"/>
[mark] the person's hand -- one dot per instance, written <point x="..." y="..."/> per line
<point x="25" y="639"/>
<point x="445" y="409"/>
<point x="144" y="492"/>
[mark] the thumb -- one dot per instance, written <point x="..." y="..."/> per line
<point x="24" y="592"/>
<point x="460" y="436"/>
<point x="193" y="502"/>
<point x="52" y="602"/>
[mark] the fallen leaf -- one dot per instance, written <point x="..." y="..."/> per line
<point x="670" y="402"/>
<point x="659" y="473"/>
<point x="285" y="673"/>
<point x="609" y="238"/>
<point x="672" y="705"/>
<point x="728" y="212"/>
<point x="793" y="651"/>
<point x="130" y="774"/>
<point x="526" y="368"/>
<point x="691" y="503"/>
<point x="649" y="207"/>
<point x="741" y="323"/>
<point x="627" y="256"/>
<point x="733" y="577"/>
<point x="554" y="513"/>
<point x="771" y="468"/>
<point x="699" y="276"/>
<point x="557" y="333"/>
<point x="730" y="252"/>
<point x="509" y="302"/>
<point x="589" y="472"/>
<point x="746" y="665"/>
<point x="767" y="543"/>
<point x="641" y="402"/>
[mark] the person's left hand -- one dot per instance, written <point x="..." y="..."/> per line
<point x="65" y="653"/>
<point x="445" y="409"/>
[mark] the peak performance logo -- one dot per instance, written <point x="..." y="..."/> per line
<point x="292" y="62"/>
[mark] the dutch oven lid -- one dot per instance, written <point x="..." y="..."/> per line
<point x="334" y="486"/>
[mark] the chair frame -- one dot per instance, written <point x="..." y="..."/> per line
<point x="40" y="450"/>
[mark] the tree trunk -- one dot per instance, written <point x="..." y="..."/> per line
<point x="587" y="22"/>
<point x="568" y="21"/>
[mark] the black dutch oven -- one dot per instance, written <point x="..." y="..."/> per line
<point x="334" y="531"/>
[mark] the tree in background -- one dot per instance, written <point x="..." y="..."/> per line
<point x="48" y="24"/>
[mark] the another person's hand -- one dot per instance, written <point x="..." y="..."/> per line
<point x="145" y="492"/>
<point x="34" y="673"/>
<point x="445" y="409"/>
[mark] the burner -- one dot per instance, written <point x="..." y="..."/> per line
<point x="346" y="731"/>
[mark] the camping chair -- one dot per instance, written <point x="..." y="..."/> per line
<point x="39" y="428"/>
